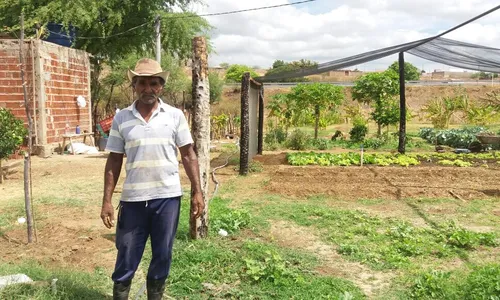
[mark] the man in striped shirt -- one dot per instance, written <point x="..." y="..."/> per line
<point x="149" y="133"/>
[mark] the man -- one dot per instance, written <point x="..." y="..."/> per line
<point x="149" y="133"/>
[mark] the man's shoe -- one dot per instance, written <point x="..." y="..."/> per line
<point x="155" y="289"/>
<point x="121" y="290"/>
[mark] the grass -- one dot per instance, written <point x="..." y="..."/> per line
<point x="71" y="284"/>
<point x="381" y="243"/>
<point x="244" y="266"/>
<point x="439" y="259"/>
<point x="9" y="215"/>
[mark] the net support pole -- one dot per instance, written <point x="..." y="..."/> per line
<point x="260" y="142"/>
<point x="198" y="227"/>
<point x="402" y="104"/>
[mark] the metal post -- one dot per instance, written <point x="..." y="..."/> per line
<point x="402" y="104"/>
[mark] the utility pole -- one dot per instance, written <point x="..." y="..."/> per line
<point x="158" y="39"/>
<point x="198" y="228"/>
<point x="27" y="156"/>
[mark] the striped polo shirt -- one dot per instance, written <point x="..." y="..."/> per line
<point x="151" y="148"/>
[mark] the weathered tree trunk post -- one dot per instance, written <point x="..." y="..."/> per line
<point x="260" y="142"/>
<point x="201" y="130"/>
<point x="27" y="156"/>
<point x="245" y="123"/>
<point x="402" y="104"/>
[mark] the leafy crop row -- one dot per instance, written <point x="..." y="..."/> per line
<point x="381" y="159"/>
<point x="456" y="138"/>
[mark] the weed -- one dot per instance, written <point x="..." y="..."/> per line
<point x="271" y="268"/>
<point x="431" y="285"/>
<point x="231" y="220"/>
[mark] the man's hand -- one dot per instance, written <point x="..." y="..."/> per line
<point x="197" y="205"/>
<point x="107" y="215"/>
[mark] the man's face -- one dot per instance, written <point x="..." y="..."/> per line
<point x="148" y="89"/>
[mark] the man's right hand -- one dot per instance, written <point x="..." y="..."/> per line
<point x="107" y="215"/>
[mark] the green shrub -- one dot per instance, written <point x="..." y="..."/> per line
<point x="12" y="133"/>
<point x="320" y="144"/>
<point x="358" y="133"/>
<point x="374" y="143"/>
<point x="297" y="140"/>
<point x="275" y="135"/>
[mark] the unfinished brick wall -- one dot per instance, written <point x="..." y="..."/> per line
<point x="66" y="76"/>
<point x="11" y="89"/>
<point x="55" y="76"/>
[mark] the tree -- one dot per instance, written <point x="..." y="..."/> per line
<point x="235" y="72"/>
<point x="12" y="133"/>
<point x="280" y="66"/>
<point x="110" y="30"/>
<point x="120" y="27"/>
<point x="224" y="65"/>
<point x="284" y="109"/>
<point x="379" y="90"/>
<point x="441" y="110"/>
<point x="411" y="72"/>
<point x="216" y="86"/>
<point x="315" y="98"/>
<point x="278" y="63"/>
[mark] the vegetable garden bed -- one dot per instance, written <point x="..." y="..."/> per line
<point x="389" y="159"/>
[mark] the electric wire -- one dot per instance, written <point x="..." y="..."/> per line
<point x="181" y="17"/>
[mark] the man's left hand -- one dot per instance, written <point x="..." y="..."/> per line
<point x="197" y="205"/>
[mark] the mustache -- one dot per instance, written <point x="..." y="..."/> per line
<point x="149" y="94"/>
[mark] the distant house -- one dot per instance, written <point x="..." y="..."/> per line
<point x="337" y="75"/>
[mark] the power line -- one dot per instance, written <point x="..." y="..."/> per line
<point x="183" y="17"/>
<point x="242" y="10"/>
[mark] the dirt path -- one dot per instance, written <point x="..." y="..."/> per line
<point x="369" y="281"/>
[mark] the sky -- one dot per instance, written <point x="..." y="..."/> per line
<point x="326" y="30"/>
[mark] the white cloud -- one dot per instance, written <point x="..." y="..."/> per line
<point x="326" y="30"/>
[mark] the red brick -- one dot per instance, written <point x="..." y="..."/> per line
<point x="11" y="90"/>
<point x="13" y="97"/>
<point x="9" y="61"/>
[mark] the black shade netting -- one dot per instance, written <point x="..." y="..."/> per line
<point x="440" y="50"/>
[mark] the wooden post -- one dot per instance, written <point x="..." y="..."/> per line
<point x="198" y="228"/>
<point x="27" y="156"/>
<point x="245" y="122"/>
<point x="402" y="104"/>
<point x="260" y="142"/>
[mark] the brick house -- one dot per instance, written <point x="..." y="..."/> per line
<point x="55" y="77"/>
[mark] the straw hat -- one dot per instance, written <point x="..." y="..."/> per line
<point x="147" y="67"/>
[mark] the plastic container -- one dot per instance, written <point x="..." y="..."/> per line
<point x="77" y="130"/>
<point x="102" y="143"/>
<point x="59" y="35"/>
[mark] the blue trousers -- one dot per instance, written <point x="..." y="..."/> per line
<point x="136" y="222"/>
